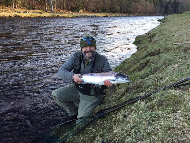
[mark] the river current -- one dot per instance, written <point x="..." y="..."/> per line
<point x="31" y="52"/>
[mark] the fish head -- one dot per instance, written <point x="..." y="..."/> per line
<point x="122" y="78"/>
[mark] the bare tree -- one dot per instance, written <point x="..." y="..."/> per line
<point x="130" y="6"/>
<point x="48" y="2"/>
<point x="55" y="5"/>
<point x="13" y="4"/>
<point x="185" y="6"/>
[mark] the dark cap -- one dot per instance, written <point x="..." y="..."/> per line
<point x="87" y="41"/>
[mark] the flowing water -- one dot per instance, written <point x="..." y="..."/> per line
<point x="32" y="50"/>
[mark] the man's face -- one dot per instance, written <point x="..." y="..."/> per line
<point x="88" y="51"/>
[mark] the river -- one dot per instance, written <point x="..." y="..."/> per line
<point x="32" y="50"/>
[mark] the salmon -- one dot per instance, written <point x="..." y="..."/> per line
<point x="99" y="78"/>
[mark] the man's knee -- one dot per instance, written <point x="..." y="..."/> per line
<point x="66" y="93"/>
<point x="54" y="94"/>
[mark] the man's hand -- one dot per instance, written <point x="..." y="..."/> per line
<point x="77" y="79"/>
<point x="108" y="83"/>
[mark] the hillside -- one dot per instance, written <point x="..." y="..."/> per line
<point x="163" y="117"/>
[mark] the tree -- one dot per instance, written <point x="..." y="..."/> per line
<point x="140" y="7"/>
<point x="48" y="2"/>
<point x="123" y="6"/>
<point x="135" y="8"/>
<point x="184" y="6"/>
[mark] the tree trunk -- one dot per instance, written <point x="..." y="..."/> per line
<point x="51" y="5"/>
<point x="13" y="2"/>
<point x="64" y="8"/>
<point x="33" y="5"/>
<point x="55" y="5"/>
<point x="45" y="5"/>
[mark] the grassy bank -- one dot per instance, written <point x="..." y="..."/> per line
<point x="21" y="12"/>
<point x="163" y="117"/>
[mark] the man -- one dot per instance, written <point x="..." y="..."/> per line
<point x="89" y="96"/>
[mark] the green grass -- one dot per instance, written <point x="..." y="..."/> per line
<point x="165" y="116"/>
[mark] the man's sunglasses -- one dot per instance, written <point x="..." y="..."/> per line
<point x="87" y="39"/>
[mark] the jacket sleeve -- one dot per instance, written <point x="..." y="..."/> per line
<point x="65" y="71"/>
<point x="106" y="67"/>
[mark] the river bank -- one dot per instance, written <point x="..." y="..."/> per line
<point x="21" y="12"/>
<point x="163" y="117"/>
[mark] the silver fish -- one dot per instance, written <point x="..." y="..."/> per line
<point x="99" y="78"/>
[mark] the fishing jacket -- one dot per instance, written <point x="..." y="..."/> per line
<point x="76" y="64"/>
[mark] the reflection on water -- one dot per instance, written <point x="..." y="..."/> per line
<point x="32" y="50"/>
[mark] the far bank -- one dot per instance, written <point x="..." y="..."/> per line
<point x="21" y="12"/>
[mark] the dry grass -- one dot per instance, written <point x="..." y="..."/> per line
<point x="21" y="12"/>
